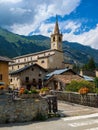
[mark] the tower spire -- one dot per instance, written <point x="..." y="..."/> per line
<point x="56" y="37"/>
<point x="56" y="29"/>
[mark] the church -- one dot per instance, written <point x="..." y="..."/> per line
<point x="48" y="59"/>
<point x="29" y="70"/>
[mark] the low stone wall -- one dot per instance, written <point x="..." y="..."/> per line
<point x="90" y="99"/>
<point x="22" y="110"/>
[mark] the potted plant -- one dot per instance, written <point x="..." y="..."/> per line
<point x="25" y="93"/>
<point x="44" y="91"/>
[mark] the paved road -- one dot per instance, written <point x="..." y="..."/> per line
<point x="71" y="109"/>
<point x="87" y="122"/>
<point x="80" y="118"/>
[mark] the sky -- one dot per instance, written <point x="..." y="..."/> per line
<point x="78" y="19"/>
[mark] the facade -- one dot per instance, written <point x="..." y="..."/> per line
<point x="49" y="59"/>
<point x="31" y="76"/>
<point x="4" y="80"/>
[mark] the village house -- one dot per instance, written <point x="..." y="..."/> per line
<point x="49" y="59"/>
<point x="58" y="79"/>
<point x="30" y="76"/>
<point x="4" y="73"/>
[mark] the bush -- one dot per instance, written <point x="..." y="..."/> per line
<point x="96" y="82"/>
<point x="26" y="91"/>
<point x="96" y="90"/>
<point x="34" y="91"/>
<point x="75" y="86"/>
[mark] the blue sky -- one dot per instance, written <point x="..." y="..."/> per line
<point x="78" y="19"/>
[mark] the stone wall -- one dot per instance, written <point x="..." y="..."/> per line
<point x="22" y="110"/>
<point x="90" y="99"/>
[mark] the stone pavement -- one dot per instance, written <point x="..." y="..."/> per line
<point x="71" y="109"/>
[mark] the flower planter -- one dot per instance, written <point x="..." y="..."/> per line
<point x="26" y="96"/>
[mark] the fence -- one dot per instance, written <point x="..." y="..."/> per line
<point x="90" y="99"/>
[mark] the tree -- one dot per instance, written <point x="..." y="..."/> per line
<point x="90" y="65"/>
<point x="96" y="82"/>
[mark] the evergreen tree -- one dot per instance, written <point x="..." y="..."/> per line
<point x="90" y="65"/>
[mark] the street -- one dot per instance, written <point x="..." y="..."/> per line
<point x="77" y="117"/>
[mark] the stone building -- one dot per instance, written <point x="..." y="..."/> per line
<point x="28" y="76"/>
<point x="49" y="59"/>
<point x="58" y="79"/>
<point x="4" y="80"/>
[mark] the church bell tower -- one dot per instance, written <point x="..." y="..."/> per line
<point x="56" y="38"/>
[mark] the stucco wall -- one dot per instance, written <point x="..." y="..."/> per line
<point x="21" y="110"/>
<point x="4" y="72"/>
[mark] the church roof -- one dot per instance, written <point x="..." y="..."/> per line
<point x="5" y="59"/>
<point x="37" y="53"/>
<point x="25" y="68"/>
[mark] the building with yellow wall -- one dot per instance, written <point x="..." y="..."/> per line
<point x="4" y="73"/>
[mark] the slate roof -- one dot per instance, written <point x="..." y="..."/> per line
<point x="5" y="59"/>
<point x="25" y="68"/>
<point x="87" y="78"/>
<point x="56" y="72"/>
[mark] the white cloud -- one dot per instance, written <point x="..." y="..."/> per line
<point x="11" y="1"/>
<point x="42" y="10"/>
<point x="19" y="10"/>
<point x="89" y="38"/>
<point x="31" y="15"/>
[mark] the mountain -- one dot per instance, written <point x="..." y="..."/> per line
<point x="13" y="45"/>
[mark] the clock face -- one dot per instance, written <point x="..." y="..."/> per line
<point x="54" y="44"/>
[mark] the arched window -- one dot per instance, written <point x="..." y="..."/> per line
<point x="53" y="39"/>
<point x="59" y="39"/>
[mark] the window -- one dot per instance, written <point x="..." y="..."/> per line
<point x="27" y="79"/>
<point x="59" y="39"/>
<point x="11" y="80"/>
<point x="0" y="76"/>
<point x="53" y="39"/>
<point x="32" y="69"/>
<point x="42" y="61"/>
<point x="24" y="60"/>
<point x="39" y="75"/>
<point x="18" y="66"/>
